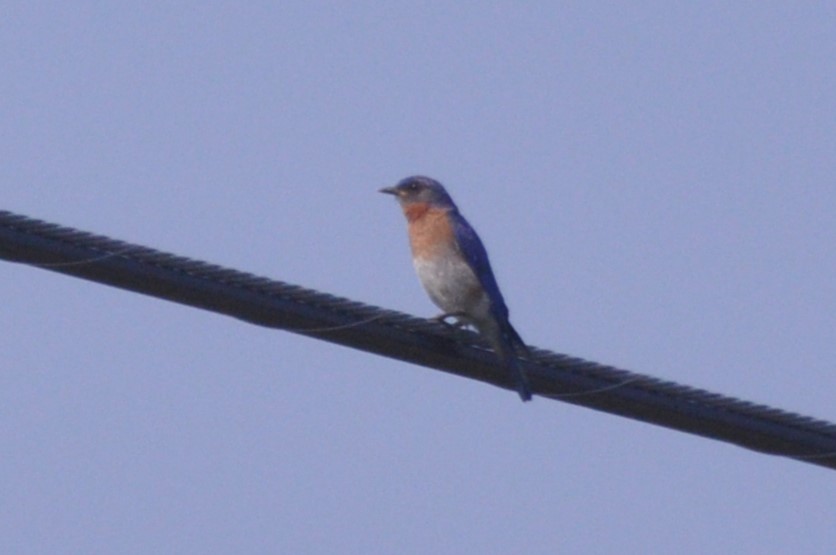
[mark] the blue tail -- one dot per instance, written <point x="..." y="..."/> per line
<point x="507" y="346"/>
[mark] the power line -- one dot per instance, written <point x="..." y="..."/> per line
<point x="274" y="304"/>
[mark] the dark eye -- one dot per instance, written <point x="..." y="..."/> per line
<point x="413" y="187"/>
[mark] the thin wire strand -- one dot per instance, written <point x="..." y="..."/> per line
<point x="595" y="391"/>
<point x="91" y="260"/>
<point x="341" y="327"/>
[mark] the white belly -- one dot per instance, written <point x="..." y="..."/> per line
<point x="453" y="286"/>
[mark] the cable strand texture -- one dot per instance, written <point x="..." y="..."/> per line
<point x="274" y="304"/>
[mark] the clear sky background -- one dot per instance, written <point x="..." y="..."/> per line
<point x="654" y="182"/>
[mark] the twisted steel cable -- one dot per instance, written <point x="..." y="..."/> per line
<point x="274" y="304"/>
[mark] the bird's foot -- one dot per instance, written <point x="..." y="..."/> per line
<point x="458" y="324"/>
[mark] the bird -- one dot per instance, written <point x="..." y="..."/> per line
<point x="453" y="267"/>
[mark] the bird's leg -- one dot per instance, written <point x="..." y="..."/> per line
<point x="459" y="316"/>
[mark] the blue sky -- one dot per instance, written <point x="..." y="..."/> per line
<point x="654" y="182"/>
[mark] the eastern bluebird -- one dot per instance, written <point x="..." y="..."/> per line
<point x="453" y="267"/>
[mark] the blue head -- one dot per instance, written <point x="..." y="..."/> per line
<point x="420" y="190"/>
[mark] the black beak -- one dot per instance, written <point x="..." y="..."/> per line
<point x="390" y="190"/>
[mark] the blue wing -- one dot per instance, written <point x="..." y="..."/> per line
<point x="477" y="258"/>
<point x="509" y="340"/>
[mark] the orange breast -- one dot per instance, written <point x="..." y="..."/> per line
<point x="430" y="231"/>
